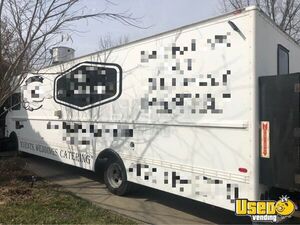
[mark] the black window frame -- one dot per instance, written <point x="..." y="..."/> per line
<point x="282" y="48"/>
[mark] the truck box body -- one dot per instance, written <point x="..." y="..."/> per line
<point x="280" y="106"/>
<point x="180" y="108"/>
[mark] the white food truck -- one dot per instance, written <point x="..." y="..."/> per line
<point x="183" y="111"/>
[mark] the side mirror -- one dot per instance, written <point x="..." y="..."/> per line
<point x="19" y="125"/>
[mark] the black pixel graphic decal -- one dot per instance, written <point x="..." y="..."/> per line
<point x="176" y="181"/>
<point x="232" y="192"/>
<point x="82" y="133"/>
<point x="144" y="171"/>
<point x="178" y="87"/>
<point x="145" y="56"/>
<point x="88" y="85"/>
<point x="198" y="103"/>
<point x="219" y="39"/>
<point x="34" y="93"/>
<point x="212" y="181"/>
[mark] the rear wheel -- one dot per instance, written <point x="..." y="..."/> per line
<point x="115" y="177"/>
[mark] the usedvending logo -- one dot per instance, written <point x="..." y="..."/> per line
<point x="265" y="211"/>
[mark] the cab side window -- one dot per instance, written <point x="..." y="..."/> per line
<point x="282" y="60"/>
<point x="13" y="102"/>
<point x="16" y="101"/>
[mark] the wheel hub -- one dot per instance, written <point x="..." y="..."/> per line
<point x="114" y="174"/>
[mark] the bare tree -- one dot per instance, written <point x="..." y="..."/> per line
<point x="285" y="13"/>
<point x="28" y="29"/>
<point x="106" y="42"/>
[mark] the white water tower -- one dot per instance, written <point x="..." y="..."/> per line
<point x="62" y="54"/>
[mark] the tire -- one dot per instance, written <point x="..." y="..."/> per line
<point x="115" y="177"/>
<point x="13" y="144"/>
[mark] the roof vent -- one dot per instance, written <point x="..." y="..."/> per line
<point x="62" y="54"/>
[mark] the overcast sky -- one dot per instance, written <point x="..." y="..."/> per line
<point x="161" y="15"/>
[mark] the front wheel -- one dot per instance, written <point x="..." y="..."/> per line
<point x="115" y="177"/>
<point x="13" y="144"/>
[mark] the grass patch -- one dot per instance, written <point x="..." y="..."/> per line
<point x="25" y="202"/>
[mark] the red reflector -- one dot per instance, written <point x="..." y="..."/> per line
<point x="243" y="170"/>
